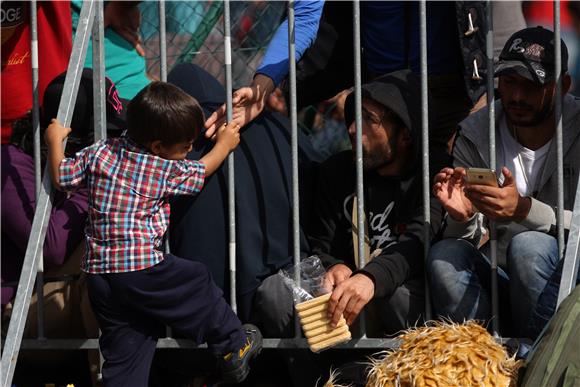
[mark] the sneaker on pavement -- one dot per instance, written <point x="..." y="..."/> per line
<point x="235" y="366"/>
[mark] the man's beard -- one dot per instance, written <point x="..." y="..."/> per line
<point x="379" y="157"/>
<point x="537" y="118"/>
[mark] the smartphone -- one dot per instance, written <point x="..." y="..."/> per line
<point x="482" y="176"/>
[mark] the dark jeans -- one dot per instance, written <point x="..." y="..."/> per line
<point x="459" y="276"/>
<point x="133" y="308"/>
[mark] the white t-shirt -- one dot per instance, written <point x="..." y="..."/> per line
<point x="527" y="166"/>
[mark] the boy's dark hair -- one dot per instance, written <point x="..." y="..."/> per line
<point x="164" y="112"/>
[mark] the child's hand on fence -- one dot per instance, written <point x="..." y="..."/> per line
<point x="247" y="103"/>
<point x="228" y="136"/>
<point x="54" y="136"/>
<point x="56" y="133"/>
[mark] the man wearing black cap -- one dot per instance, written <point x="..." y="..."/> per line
<point x="392" y="278"/>
<point x="524" y="204"/>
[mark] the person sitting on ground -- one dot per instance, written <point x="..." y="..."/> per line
<point x="524" y="203"/>
<point x="393" y="277"/>
<point x="263" y="199"/>
<point x="134" y="287"/>
<point x="18" y="189"/>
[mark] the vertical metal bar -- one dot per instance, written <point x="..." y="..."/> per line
<point x="231" y="172"/>
<point x="162" y="41"/>
<point x="35" y="97"/>
<point x="572" y="259"/>
<point x="99" y="104"/>
<point x="100" y="110"/>
<point x="37" y="167"/>
<point x="425" y="146"/>
<point x="294" y="149"/>
<point x="43" y="206"/>
<point x="558" y="123"/>
<point x="358" y="148"/>
<point x="492" y="162"/>
<point x="163" y="74"/>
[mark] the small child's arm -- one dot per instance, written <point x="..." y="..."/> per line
<point x="54" y="137"/>
<point x="228" y="138"/>
<point x="190" y="179"/>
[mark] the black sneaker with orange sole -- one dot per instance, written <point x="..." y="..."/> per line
<point x="235" y="366"/>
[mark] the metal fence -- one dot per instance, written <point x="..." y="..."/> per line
<point x="195" y="34"/>
<point x="177" y="47"/>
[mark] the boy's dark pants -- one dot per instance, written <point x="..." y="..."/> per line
<point x="133" y="308"/>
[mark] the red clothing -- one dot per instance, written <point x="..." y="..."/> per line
<point x="543" y="12"/>
<point x="54" y="49"/>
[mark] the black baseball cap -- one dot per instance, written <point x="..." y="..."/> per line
<point x="530" y="54"/>
<point x="82" y="120"/>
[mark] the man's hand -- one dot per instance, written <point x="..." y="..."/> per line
<point x="337" y="104"/>
<point x="448" y="187"/>
<point x="500" y="204"/>
<point x="125" y="18"/>
<point x="336" y="275"/>
<point x="349" y="297"/>
<point x="247" y="102"/>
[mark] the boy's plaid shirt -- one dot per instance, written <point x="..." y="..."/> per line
<point x="129" y="190"/>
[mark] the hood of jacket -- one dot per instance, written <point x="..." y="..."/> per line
<point x="400" y="92"/>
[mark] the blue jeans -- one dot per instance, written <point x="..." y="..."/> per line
<point x="459" y="276"/>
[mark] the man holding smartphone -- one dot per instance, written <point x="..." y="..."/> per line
<point x="523" y="203"/>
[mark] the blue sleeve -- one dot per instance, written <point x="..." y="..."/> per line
<point x="307" y="18"/>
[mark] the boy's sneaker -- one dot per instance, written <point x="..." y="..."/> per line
<point x="235" y="366"/>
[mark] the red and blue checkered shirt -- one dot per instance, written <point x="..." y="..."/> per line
<point x="129" y="189"/>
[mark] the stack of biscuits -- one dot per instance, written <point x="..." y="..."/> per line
<point x="316" y="324"/>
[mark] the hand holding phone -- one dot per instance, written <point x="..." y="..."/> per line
<point x="482" y="176"/>
<point x="503" y="204"/>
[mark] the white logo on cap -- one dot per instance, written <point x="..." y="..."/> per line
<point x="541" y="73"/>
<point x="515" y="46"/>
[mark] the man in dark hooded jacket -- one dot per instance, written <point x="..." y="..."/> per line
<point x="391" y="141"/>
<point x="200" y="225"/>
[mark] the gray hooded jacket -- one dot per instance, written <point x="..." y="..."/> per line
<point x="472" y="150"/>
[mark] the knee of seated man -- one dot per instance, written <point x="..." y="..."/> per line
<point x="273" y="305"/>
<point x="531" y="248"/>
<point x="448" y="257"/>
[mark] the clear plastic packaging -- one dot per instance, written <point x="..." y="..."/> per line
<point x="311" y="279"/>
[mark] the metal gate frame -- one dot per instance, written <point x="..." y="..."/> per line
<point x="93" y="11"/>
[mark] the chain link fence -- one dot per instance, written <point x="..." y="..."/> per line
<point x="195" y="34"/>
